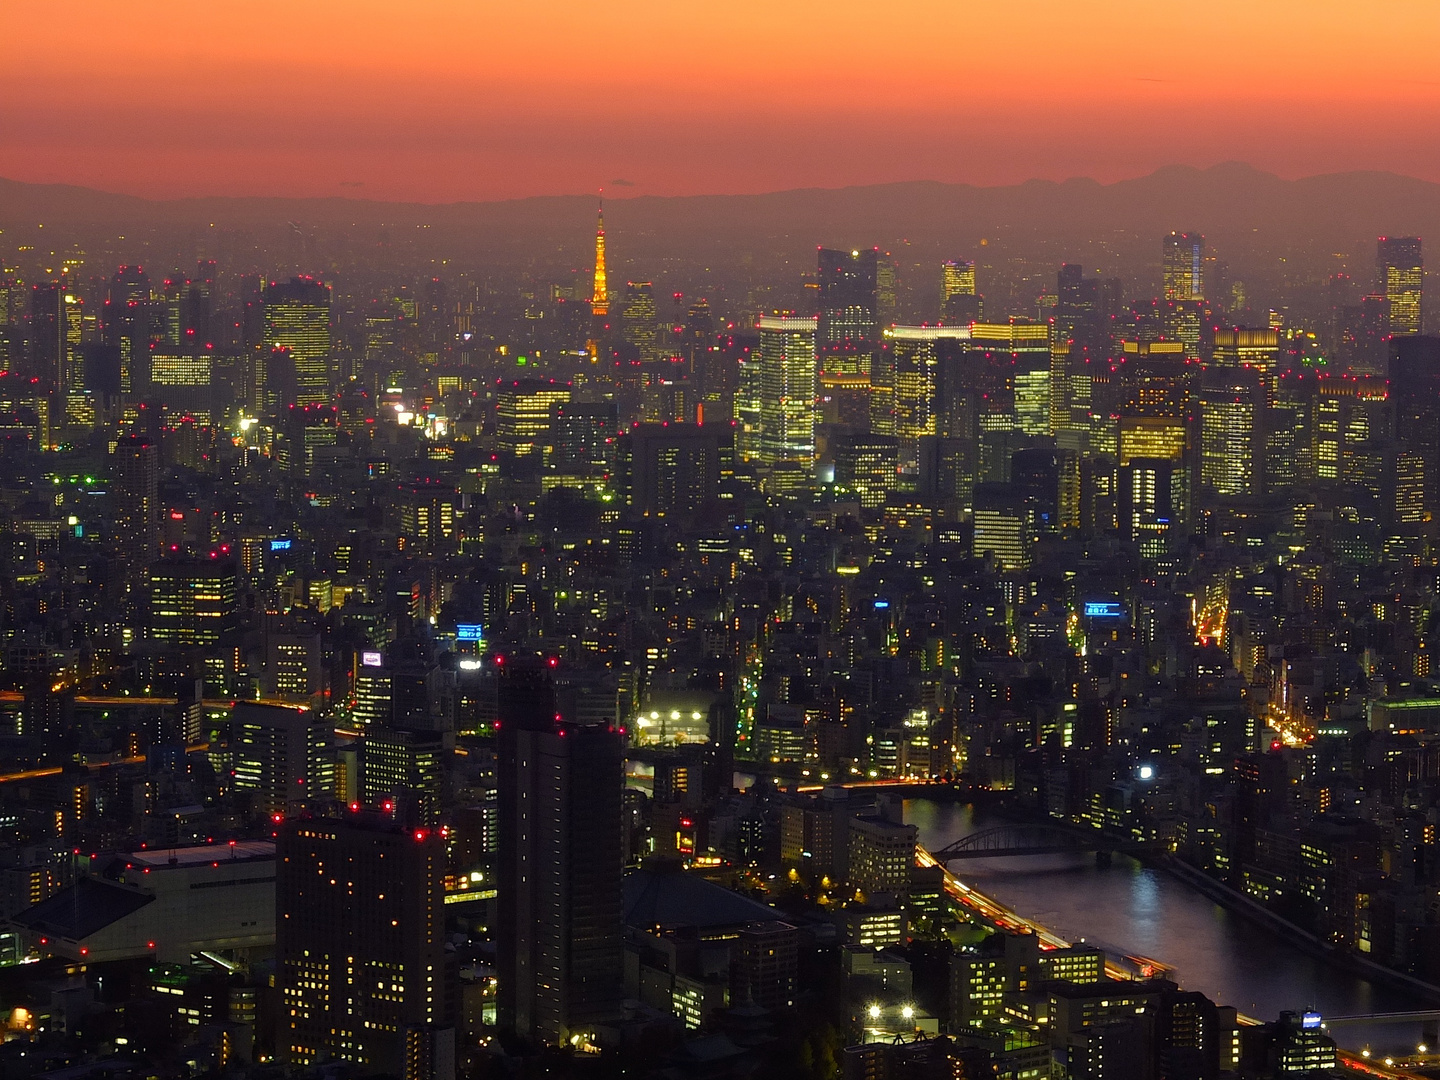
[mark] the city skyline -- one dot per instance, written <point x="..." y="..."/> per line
<point x="936" y="618"/>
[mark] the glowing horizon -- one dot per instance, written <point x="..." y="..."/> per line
<point x="442" y="101"/>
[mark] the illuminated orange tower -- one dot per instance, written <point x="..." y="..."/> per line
<point x="600" y="293"/>
<point x="600" y="297"/>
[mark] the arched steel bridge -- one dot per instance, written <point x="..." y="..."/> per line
<point x="1038" y="839"/>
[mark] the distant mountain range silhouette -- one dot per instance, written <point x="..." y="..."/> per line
<point x="1233" y="203"/>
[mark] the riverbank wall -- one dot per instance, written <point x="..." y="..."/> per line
<point x="1248" y="908"/>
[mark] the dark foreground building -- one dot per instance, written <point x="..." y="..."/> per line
<point x="561" y="857"/>
<point x="360" y="947"/>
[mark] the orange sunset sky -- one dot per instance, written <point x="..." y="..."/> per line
<point x="438" y="100"/>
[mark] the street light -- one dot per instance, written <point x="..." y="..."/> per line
<point x="874" y="1012"/>
<point x="908" y="1013"/>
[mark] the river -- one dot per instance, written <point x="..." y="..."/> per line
<point x="1128" y="908"/>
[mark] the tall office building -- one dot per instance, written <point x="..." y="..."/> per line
<point x="360" y="947"/>
<point x="69" y="376"/>
<point x="560" y="865"/>
<point x="1182" y="266"/>
<point x="183" y="383"/>
<point x="638" y="322"/>
<point x="581" y="437"/>
<point x="1360" y="333"/>
<point x="1257" y="348"/>
<point x="282" y="756"/>
<point x="125" y="323"/>
<point x="959" y="302"/>
<point x="1231" y="407"/>
<point x="297" y="322"/>
<point x="1401" y="272"/>
<point x="1002" y="526"/>
<point x="407" y="770"/>
<point x="670" y="470"/>
<point x="523" y="411"/>
<point x="1081" y="338"/>
<point x="1415" y="392"/>
<point x="193" y="602"/>
<point x="849" y="314"/>
<point x="47" y="330"/>
<point x="866" y="466"/>
<point x="906" y="378"/>
<point x="787" y="389"/>
<point x="135" y="500"/>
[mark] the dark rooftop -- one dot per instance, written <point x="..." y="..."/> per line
<point x="663" y="897"/>
<point x="85" y="908"/>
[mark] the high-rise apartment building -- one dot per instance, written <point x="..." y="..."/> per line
<point x="787" y="389"/>
<point x="560" y="865"/>
<point x="360" y="947"/>
<point x="1401" y="272"/>
<point x="297" y="322"/>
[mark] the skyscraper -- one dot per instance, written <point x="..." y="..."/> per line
<point x="787" y="386"/>
<point x="1182" y="258"/>
<point x="849" y="316"/>
<point x="1401" y="272"/>
<point x="560" y="865"/>
<point x="360" y="947"/>
<point x="1415" y="391"/>
<point x="297" y="320"/>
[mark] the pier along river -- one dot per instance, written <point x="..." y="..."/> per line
<point x="1131" y="909"/>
